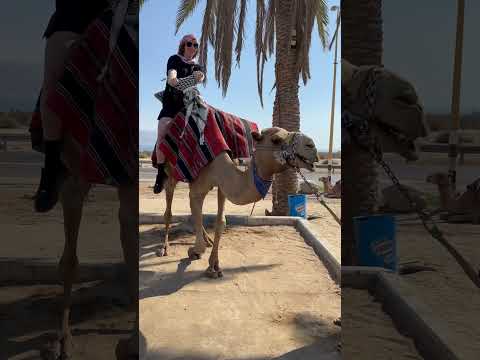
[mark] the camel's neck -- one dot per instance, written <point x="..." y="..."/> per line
<point x="237" y="185"/>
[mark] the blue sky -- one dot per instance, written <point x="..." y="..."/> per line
<point x="158" y="42"/>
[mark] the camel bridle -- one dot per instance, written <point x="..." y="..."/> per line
<point x="358" y="127"/>
<point x="288" y="151"/>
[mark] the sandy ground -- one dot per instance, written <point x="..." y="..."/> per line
<point x="275" y="301"/>
<point x="369" y="333"/>
<point x="323" y="223"/>
<point x="41" y="235"/>
<point x="30" y="316"/>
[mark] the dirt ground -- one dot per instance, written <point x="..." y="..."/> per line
<point x="275" y="300"/>
<point x="369" y="333"/>
<point x="29" y="315"/>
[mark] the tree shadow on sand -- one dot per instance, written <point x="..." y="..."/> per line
<point x="323" y="346"/>
<point x="29" y="323"/>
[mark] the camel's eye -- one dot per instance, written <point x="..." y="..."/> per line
<point x="310" y="146"/>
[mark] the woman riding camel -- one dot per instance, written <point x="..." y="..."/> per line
<point x="66" y="25"/>
<point x="183" y="65"/>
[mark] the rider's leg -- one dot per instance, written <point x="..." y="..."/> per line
<point x="56" y="52"/>
<point x="161" y="175"/>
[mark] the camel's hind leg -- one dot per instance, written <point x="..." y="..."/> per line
<point x="72" y="195"/>
<point x="214" y="270"/>
<point x="169" y="190"/>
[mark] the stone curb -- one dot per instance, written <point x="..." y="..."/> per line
<point x="330" y="262"/>
<point x="24" y="271"/>
<point x="404" y="311"/>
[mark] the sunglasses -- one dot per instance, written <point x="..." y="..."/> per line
<point x="190" y="44"/>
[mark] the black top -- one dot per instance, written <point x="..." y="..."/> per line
<point x="74" y="15"/>
<point x="173" y="98"/>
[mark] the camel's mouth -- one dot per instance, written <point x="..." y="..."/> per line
<point x="307" y="164"/>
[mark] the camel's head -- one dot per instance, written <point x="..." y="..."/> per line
<point x="281" y="148"/>
<point x="438" y="179"/>
<point x="389" y="103"/>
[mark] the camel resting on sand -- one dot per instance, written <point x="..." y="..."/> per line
<point x="460" y="207"/>
<point x="276" y="151"/>
<point x="330" y="191"/>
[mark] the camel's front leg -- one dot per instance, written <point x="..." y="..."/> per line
<point x="72" y="195"/>
<point x="169" y="190"/>
<point x="214" y="270"/>
<point x="128" y="217"/>
<point x="196" y="205"/>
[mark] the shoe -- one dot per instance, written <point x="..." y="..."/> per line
<point x="52" y="174"/>
<point x="160" y="180"/>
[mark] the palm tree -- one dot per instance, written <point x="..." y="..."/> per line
<point x="362" y="44"/>
<point x="278" y="24"/>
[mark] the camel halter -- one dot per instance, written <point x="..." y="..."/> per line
<point x="288" y="151"/>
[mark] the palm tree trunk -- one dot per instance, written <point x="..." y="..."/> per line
<point x="286" y="109"/>
<point x="362" y="44"/>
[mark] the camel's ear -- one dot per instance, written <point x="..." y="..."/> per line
<point x="257" y="136"/>
<point x="347" y="71"/>
<point x="279" y="137"/>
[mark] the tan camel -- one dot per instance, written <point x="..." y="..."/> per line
<point x="238" y="186"/>
<point x="395" y="118"/>
<point x="465" y="207"/>
<point x="330" y="191"/>
<point x="73" y="194"/>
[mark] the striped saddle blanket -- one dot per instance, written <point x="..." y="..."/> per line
<point x="223" y="132"/>
<point x="102" y="117"/>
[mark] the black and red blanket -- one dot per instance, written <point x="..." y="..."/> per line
<point x="223" y="132"/>
<point x="101" y="117"/>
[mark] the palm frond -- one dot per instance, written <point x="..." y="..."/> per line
<point x="240" y="30"/>
<point x="259" y="49"/>
<point x="322" y="22"/>
<point x="185" y="9"/>
<point x="207" y="31"/>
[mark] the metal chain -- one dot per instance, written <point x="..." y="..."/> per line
<point x="318" y="196"/>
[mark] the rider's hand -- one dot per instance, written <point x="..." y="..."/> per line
<point x="173" y="82"/>
<point x="198" y="76"/>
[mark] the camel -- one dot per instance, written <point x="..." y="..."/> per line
<point x="330" y="191"/>
<point x="465" y="207"/>
<point x="73" y="193"/>
<point x="238" y="186"/>
<point x="390" y="107"/>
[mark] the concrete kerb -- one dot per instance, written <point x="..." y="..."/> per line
<point x="302" y="226"/>
<point x="407" y="314"/>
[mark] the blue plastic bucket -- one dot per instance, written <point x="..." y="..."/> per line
<point x="376" y="241"/>
<point x="297" y="205"/>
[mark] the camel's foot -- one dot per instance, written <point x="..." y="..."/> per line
<point x="214" y="272"/>
<point x="60" y="348"/>
<point x="163" y="251"/>
<point x="193" y="254"/>
<point x="338" y="322"/>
